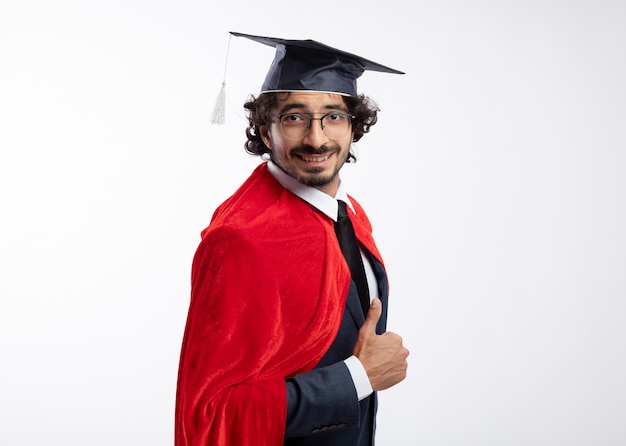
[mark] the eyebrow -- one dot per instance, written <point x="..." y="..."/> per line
<point x="295" y="105"/>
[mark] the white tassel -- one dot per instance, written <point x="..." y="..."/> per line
<point x="219" y="111"/>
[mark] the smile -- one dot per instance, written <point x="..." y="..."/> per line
<point x="315" y="158"/>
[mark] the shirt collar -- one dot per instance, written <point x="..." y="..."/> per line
<point x="315" y="197"/>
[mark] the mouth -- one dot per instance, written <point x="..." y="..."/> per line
<point x="315" y="158"/>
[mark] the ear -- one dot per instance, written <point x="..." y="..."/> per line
<point x="265" y="136"/>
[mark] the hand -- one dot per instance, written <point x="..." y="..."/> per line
<point x="383" y="356"/>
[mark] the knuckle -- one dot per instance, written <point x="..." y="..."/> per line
<point x="398" y="338"/>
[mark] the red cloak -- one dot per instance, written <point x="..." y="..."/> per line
<point x="269" y="285"/>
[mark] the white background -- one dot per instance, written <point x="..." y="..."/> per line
<point x="494" y="179"/>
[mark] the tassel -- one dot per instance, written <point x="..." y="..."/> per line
<point x="219" y="111"/>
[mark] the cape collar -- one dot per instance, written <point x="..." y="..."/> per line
<point x="315" y="197"/>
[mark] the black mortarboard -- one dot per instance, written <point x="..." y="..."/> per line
<point x="307" y="65"/>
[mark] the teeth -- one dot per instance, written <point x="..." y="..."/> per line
<point x="315" y="159"/>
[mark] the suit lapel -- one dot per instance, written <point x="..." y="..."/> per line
<point x="353" y="303"/>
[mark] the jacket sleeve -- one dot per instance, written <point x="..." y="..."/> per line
<point x="322" y="399"/>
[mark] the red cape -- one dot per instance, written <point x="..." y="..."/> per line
<point x="269" y="285"/>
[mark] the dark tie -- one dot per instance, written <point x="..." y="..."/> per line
<point x="350" y="249"/>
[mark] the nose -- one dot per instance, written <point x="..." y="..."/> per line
<point x="315" y="137"/>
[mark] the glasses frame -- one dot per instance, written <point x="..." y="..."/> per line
<point x="311" y="119"/>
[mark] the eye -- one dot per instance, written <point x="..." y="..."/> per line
<point x="335" y="118"/>
<point x="293" y="118"/>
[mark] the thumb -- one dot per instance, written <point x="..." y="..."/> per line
<point x="373" y="315"/>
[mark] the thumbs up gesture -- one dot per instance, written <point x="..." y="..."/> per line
<point x="383" y="356"/>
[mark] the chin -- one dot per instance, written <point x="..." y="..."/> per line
<point x="316" y="180"/>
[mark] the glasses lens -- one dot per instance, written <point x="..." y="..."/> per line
<point x="336" y="125"/>
<point x="294" y="125"/>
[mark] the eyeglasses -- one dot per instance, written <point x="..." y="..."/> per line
<point x="297" y="125"/>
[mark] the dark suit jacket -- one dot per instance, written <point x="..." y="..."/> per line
<point x="322" y="405"/>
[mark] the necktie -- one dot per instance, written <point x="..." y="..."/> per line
<point x="350" y="249"/>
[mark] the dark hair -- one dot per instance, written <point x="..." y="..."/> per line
<point x="364" y="110"/>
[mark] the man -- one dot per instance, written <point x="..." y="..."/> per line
<point x="282" y="345"/>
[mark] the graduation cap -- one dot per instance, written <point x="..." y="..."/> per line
<point x="307" y="65"/>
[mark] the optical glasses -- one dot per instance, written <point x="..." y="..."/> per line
<point x="297" y="125"/>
